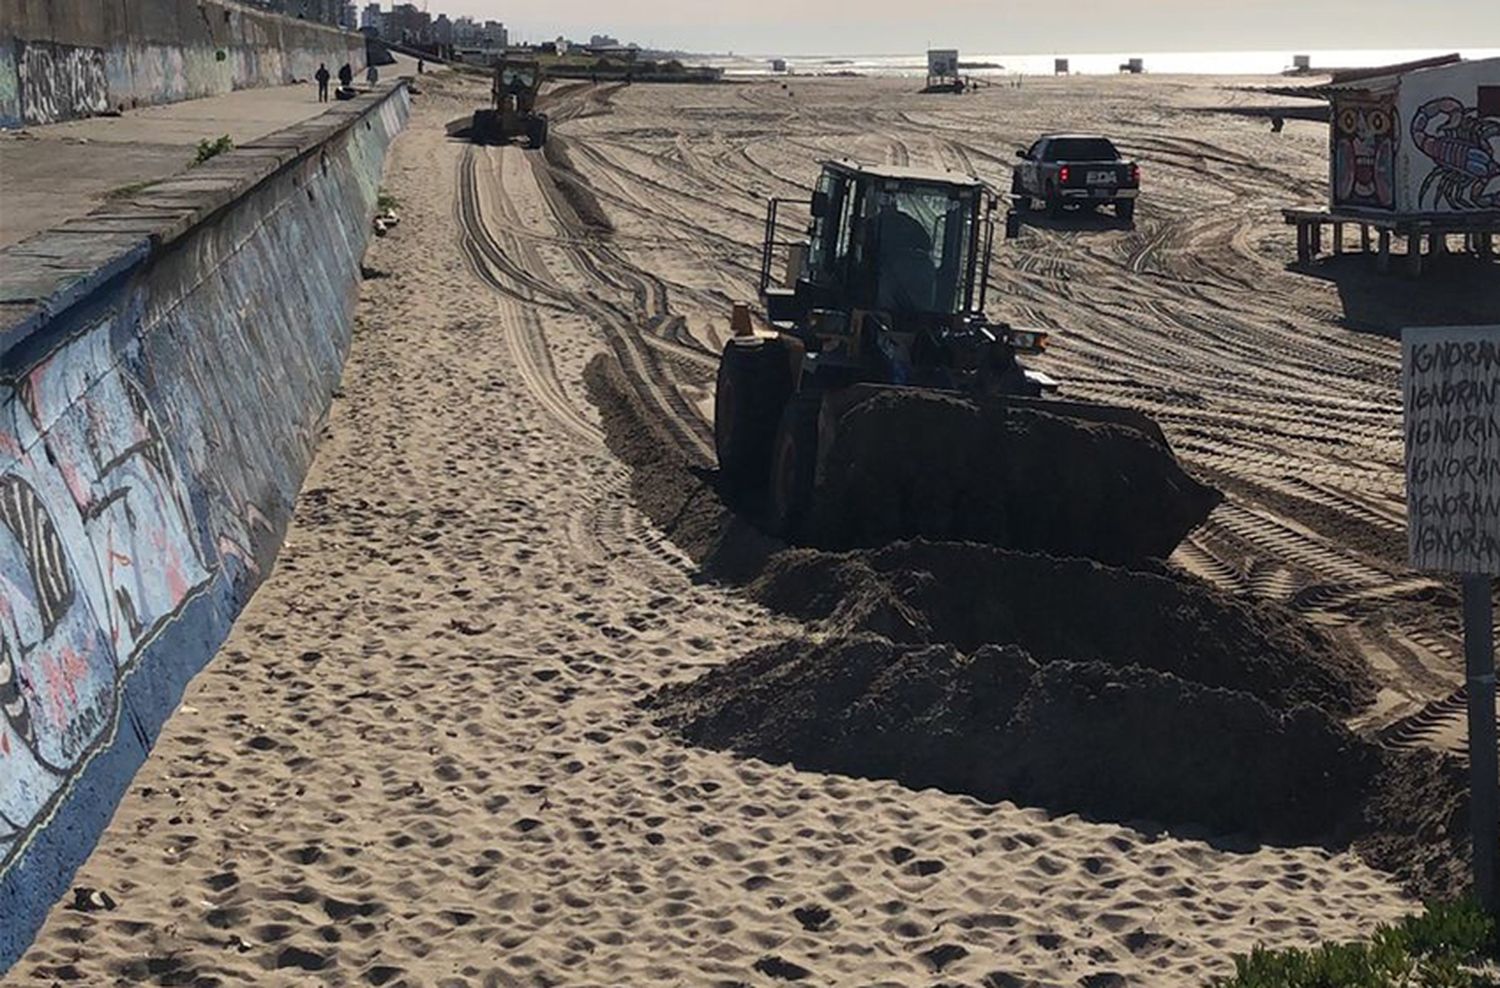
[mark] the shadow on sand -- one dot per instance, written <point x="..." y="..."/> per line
<point x="1081" y="220"/>
<point x="1454" y="289"/>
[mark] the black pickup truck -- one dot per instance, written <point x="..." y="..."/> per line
<point x="1075" y="169"/>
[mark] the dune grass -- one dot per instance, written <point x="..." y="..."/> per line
<point x="1450" y="945"/>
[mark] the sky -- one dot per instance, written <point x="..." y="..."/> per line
<point x="795" y="27"/>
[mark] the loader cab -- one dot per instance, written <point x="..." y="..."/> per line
<point x="911" y="243"/>
<point x="515" y="84"/>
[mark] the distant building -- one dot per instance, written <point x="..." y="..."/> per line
<point x="1390" y="137"/>
<point x="778" y="65"/>
<point x="405" y="23"/>
<point x="942" y="67"/>
<point x="349" y="17"/>
<point x="1059" y="66"/>
<point x="369" y="18"/>
<point x="603" y="41"/>
<point x="442" y="30"/>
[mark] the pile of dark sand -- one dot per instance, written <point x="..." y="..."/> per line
<point x="1117" y="743"/>
<point x="971" y="595"/>
<point x="909" y="464"/>
<point x="889" y="692"/>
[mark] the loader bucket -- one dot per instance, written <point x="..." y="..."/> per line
<point x="1062" y="478"/>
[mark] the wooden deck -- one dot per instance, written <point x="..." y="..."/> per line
<point x="1477" y="230"/>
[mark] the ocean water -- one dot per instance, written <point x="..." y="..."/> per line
<point x="1165" y="63"/>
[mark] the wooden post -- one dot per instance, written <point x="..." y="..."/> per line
<point x="1302" y="242"/>
<point x="1364" y="238"/>
<point x="1437" y="243"/>
<point x="1338" y="238"/>
<point x="1317" y="237"/>
<point x="1384" y="260"/>
<point x="1414" y="254"/>
<point x="1484" y="772"/>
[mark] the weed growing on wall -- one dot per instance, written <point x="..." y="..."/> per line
<point x="212" y="148"/>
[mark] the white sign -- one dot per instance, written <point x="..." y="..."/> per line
<point x="1451" y="383"/>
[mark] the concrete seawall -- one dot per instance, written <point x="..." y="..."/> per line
<point x="164" y="366"/>
<point x="64" y="59"/>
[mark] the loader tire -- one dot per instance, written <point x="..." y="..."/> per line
<point x="485" y="128"/>
<point x="794" y="461"/>
<point x="754" y="383"/>
<point x="536" y="131"/>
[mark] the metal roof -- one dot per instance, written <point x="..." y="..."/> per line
<point x="905" y="173"/>
<point x="1376" y="79"/>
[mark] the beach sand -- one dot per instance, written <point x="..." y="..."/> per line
<point x="421" y="757"/>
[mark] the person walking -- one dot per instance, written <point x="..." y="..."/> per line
<point x="372" y="75"/>
<point x="346" y="76"/>
<point x="322" y="76"/>
<point x="421" y="66"/>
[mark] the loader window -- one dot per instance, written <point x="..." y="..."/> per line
<point x="516" y="80"/>
<point x="825" y="231"/>
<point x="923" y="237"/>
<point x="1081" y="149"/>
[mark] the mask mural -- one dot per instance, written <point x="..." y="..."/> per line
<point x="1364" y="153"/>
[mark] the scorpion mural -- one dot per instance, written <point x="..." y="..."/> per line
<point x="1463" y="144"/>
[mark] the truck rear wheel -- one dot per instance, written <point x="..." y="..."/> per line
<point x="1019" y="195"/>
<point x="1054" y="203"/>
<point x="794" y="460"/>
<point x="754" y="383"/>
<point x="1125" y="209"/>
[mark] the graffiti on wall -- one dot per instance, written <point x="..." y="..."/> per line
<point x="1365" y="135"/>
<point x="1463" y="145"/>
<point x="97" y="555"/>
<point x="60" y="82"/>
<point x="10" y="93"/>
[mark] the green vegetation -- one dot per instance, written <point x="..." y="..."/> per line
<point x="384" y="201"/>
<point x="1445" y="947"/>
<point x="212" y="148"/>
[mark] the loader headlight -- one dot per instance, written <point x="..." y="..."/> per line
<point x="1028" y="340"/>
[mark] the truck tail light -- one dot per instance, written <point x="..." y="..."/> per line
<point x="1062" y="174"/>
<point x="1135" y="174"/>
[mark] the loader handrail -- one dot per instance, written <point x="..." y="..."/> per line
<point x="769" y="243"/>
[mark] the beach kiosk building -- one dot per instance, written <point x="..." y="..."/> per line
<point x="1413" y="150"/>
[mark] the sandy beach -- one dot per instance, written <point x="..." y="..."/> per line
<point x="423" y="756"/>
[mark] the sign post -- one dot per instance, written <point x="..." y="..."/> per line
<point x="1451" y="384"/>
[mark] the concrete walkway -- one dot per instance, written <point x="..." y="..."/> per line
<point x="55" y="173"/>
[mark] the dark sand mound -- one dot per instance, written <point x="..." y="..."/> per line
<point x="934" y="716"/>
<point x="1136" y="742"/>
<point x="1087" y="737"/>
<point x="970" y="595"/>
<point x="907" y="464"/>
